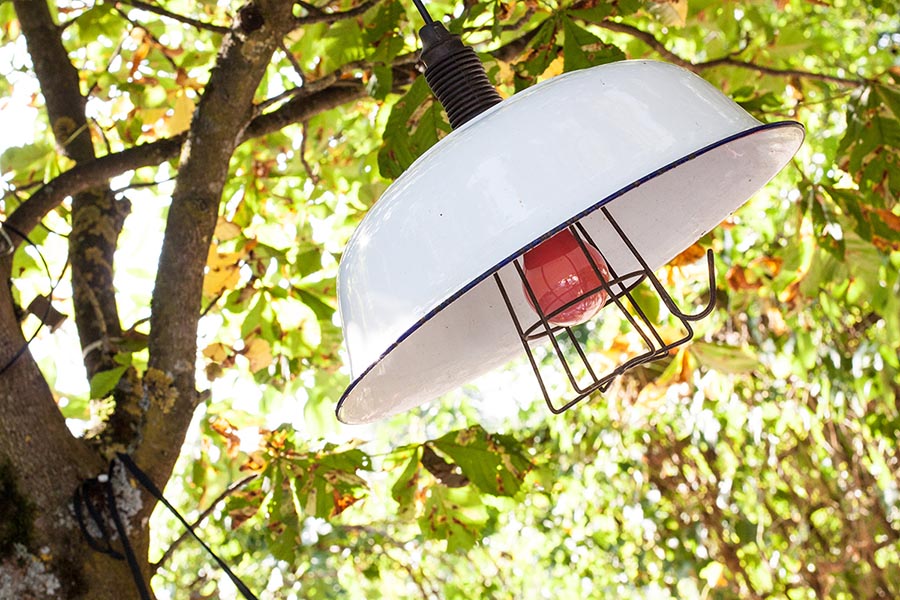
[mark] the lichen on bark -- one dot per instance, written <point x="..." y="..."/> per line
<point x="24" y="576"/>
<point x="159" y="390"/>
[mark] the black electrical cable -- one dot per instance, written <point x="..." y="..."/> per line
<point x="92" y="492"/>
<point x="423" y="11"/>
<point x="53" y="285"/>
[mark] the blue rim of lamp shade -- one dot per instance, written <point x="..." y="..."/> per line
<point x="608" y="199"/>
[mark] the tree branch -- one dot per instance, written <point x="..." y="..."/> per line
<point x="317" y="15"/>
<point x="234" y="487"/>
<point x="223" y="114"/>
<point x="315" y="97"/>
<point x="670" y="56"/>
<point x="48" y="461"/>
<point x="158" y="10"/>
<point x="301" y="107"/>
<point x="96" y="216"/>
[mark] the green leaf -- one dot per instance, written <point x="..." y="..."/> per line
<point x="24" y="158"/>
<point x="724" y="358"/>
<point x="343" y="43"/>
<point x="404" y="489"/>
<point x="582" y="49"/>
<point x="254" y="317"/>
<point x="890" y="95"/>
<point x="746" y="531"/>
<point x="384" y="21"/>
<point x="871" y="145"/>
<point x="104" y="382"/>
<point x="541" y="51"/>
<point x="381" y="82"/>
<point x="494" y="463"/>
<point x="416" y="123"/>
<point x="322" y="310"/>
<point x="595" y="14"/>
<point x="453" y="514"/>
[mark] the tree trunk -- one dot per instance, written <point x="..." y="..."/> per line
<point x="42" y="552"/>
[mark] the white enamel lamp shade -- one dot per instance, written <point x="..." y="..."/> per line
<point x="668" y="154"/>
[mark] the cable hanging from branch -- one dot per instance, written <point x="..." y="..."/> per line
<point x="7" y="247"/>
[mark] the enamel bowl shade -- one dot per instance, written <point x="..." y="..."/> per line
<point x="667" y="153"/>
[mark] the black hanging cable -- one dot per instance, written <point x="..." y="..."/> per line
<point x="423" y="11"/>
<point x="87" y="496"/>
<point x="4" y="237"/>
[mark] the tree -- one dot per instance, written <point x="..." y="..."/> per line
<point x="761" y="460"/>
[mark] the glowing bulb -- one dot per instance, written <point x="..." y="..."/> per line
<point x="559" y="272"/>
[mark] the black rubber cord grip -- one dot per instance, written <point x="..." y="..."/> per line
<point x="455" y="75"/>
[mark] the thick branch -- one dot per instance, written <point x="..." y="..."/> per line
<point x="222" y="116"/>
<point x="58" y="79"/>
<point x="96" y="217"/>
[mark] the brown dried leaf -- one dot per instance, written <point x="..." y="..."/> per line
<point x="342" y="502"/>
<point x="688" y="256"/>
<point x="227" y="431"/>
<point x="443" y="471"/>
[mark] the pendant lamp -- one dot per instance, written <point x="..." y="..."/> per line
<point x="531" y="216"/>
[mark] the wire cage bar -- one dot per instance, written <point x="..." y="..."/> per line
<point x="619" y="290"/>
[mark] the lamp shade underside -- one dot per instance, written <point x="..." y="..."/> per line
<point x="665" y="152"/>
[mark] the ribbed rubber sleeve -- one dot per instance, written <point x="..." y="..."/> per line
<point x="456" y="75"/>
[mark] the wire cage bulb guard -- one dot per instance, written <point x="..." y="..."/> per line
<point x="618" y="290"/>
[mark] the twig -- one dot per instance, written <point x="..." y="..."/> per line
<point x="309" y="172"/>
<point x="212" y="304"/>
<point x="142" y="184"/>
<point x="317" y="15"/>
<point x="310" y="8"/>
<point x="102" y="134"/>
<point x="228" y="491"/>
<point x="661" y="49"/>
<point x="410" y="572"/>
<point x="514" y="26"/>
<point x="158" y="10"/>
<point x="294" y="63"/>
<point x="118" y="50"/>
<point x="162" y="49"/>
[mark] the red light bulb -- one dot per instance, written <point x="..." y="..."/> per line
<point x="559" y="272"/>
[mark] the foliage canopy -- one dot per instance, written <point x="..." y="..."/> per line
<point x="759" y="461"/>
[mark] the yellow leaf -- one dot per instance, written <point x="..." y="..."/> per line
<point x="554" y="69"/>
<point x="215" y="352"/>
<point x="259" y="353"/>
<point x="222" y="278"/>
<point x="121" y="107"/>
<point x="671" y="12"/>
<point x="226" y="230"/>
<point x="223" y="270"/>
<point x="689" y="255"/>
<point x="151" y="115"/>
<point x="651" y="397"/>
<point x="183" y="112"/>
<point x="505" y="74"/>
